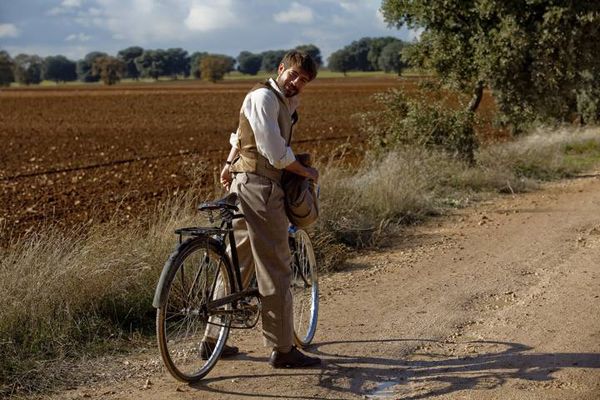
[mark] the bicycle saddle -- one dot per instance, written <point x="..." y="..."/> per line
<point x="228" y="203"/>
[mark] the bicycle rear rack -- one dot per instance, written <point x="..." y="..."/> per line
<point x="201" y="231"/>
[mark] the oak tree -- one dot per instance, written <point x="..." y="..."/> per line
<point x="539" y="57"/>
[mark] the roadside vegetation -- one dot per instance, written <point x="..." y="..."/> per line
<point x="89" y="291"/>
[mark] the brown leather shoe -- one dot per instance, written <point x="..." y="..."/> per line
<point x="207" y="347"/>
<point x="292" y="359"/>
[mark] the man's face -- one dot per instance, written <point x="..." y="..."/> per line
<point x="291" y="81"/>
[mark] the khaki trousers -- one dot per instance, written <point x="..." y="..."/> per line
<point x="262" y="247"/>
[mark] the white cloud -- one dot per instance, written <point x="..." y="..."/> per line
<point x="154" y="23"/>
<point x="350" y="6"/>
<point x="137" y="21"/>
<point x="71" y="3"/>
<point x="209" y="17"/>
<point x="297" y="13"/>
<point x="415" y="34"/>
<point x="8" y="30"/>
<point x="79" y="37"/>
<point x="65" y="7"/>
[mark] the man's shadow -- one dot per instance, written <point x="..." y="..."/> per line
<point x="419" y="375"/>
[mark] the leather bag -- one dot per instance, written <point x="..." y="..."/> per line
<point x="301" y="196"/>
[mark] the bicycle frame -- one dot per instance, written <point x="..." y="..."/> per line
<point x="218" y="235"/>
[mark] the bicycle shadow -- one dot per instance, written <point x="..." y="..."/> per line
<point x="415" y="375"/>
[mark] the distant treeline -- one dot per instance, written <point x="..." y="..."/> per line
<point x="366" y="54"/>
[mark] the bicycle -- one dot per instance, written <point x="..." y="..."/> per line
<point x="200" y="288"/>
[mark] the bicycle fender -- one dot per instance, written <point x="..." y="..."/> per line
<point x="160" y="294"/>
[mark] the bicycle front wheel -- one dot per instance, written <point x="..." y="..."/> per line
<point x="304" y="288"/>
<point x="198" y="274"/>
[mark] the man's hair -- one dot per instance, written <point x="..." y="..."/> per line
<point x="304" y="61"/>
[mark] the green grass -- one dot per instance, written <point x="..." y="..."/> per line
<point x="582" y="155"/>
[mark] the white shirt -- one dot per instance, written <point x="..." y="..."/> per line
<point x="261" y="108"/>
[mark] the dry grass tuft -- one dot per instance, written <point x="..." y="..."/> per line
<point x="65" y="294"/>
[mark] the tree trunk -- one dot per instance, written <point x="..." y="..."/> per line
<point x="470" y="143"/>
<point x="476" y="99"/>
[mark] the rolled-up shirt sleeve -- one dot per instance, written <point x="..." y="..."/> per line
<point x="233" y="140"/>
<point x="261" y="107"/>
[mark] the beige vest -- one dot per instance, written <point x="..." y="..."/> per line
<point x="249" y="159"/>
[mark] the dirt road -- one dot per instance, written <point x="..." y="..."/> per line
<point x="498" y="301"/>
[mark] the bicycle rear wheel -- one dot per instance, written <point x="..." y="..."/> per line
<point x="304" y="288"/>
<point x="198" y="273"/>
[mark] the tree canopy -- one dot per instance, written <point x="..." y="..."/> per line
<point x="271" y="59"/>
<point x="340" y="61"/>
<point x="390" y="57"/>
<point x="152" y="64"/>
<point x="195" y="59"/>
<point x="249" y="63"/>
<point x="177" y="62"/>
<point x="28" y="69"/>
<point x="128" y="56"/>
<point x="213" y="67"/>
<point x="84" y="67"/>
<point x="7" y="75"/>
<point x="109" y="69"/>
<point x="538" y="56"/>
<point x="364" y="55"/>
<point x="59" y="69"/>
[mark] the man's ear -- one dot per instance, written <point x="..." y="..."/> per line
<point x="280" y="69"/>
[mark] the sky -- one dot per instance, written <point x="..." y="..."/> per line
<point x="74" y="28"/>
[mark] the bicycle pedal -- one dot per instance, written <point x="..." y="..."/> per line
<point x="246" y="316"/>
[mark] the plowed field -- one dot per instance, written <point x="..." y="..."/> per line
<point x="82" y="153"/>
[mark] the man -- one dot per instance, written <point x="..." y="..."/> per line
<point x="259" y="154"/>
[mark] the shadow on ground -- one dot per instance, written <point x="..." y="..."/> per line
<point x="417" y="374"/>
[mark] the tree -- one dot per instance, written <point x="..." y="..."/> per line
<point x="28" y="69"/>
<point x="533" y="55"/>
<point x="59" y="69"/>
<point x="390" y="58"/>
<point x="340" y="61"/>
<point x="195" y="60"/>
<point x="313" y="51"/>
<point x="128" y="56"/>
<point x="109" y="69"/>
<point x="84" y="67"/>
<point x="214" y="67"/>
<point x="177" y="62"/>
<point x="376" y="47"/>
<point x="359" y="54"/>
<point x="7" y="75"/>
<point x="152" y="64"/>
<point x="271" y="59"/>
<point x="249" y="63"/>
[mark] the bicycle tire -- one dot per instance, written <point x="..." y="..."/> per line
<point x="194" y="271"/>
<point x="305" y="288"/>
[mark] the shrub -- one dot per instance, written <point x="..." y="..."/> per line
<point x="424" y="122"/>
<point x="588" y="99"/>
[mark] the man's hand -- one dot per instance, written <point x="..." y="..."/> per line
<point x="307" y="172"/>
<point x="313" y="174"/>
<point x="226" y="177"/>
